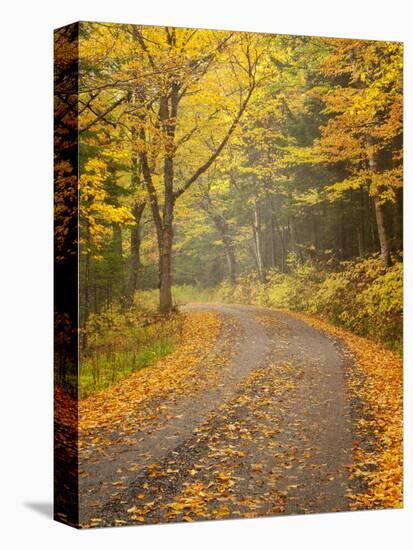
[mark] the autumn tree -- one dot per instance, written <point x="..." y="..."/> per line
<point x="234" y="153"/>
<point x="365" y="128"/>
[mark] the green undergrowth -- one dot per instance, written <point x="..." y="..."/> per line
<point x="119" y="342"/>
<point x="361" y="296"/>
<point x="102" y="370"/>
<point x="183" y="294"/>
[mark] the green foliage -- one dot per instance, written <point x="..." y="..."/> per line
<point x="100" y="370"/>
<point x="183" y="294"/>
<point x="280" y="291"/>
<point x="362" y="296"/>
<point x="117" y="342"/>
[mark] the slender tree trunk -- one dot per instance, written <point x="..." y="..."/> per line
<point x="343" y="254"/>
<point x="381" y="229"/>
<point x="230" y="256"/>
<point x="360" y="225"/>
<point x="273" y="249"/>
<point x="95" y="296"/>
<point x="372" y="224"/>
<point x="221" y="226"/>
<point x="398" y="219"/>
<point x="229" y="253"/>
<point x="86" y="305"/>
<point x="135" y="245"/>
<point x="165" y="263"/>
<point x="256" y="231"/>
<point x="280" y="233"/>
<point x="378" y="208"/>
<point x="120" y="289"/>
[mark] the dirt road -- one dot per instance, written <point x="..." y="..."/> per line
<point x="270" y="435"/>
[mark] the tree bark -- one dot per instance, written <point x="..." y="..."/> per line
<point x="221" y="225"/>
<point x="398" y="220"/>
<point x="222" y="228"/>
<point x="360" y="225"/>
<point x="381" y="228"/>
<point x="86" y="305"/>
<point x="256" y="231"/>
<point x="165" y="272"/>
<point x="165" y="264"/>
<point x="135" y="245"/>
<point x="117" y="246"/>
<point x="273" y="248"/>
<point x="232" y="270"/>
<point x="280" y="233"/>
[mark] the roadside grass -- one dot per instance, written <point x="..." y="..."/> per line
<point x="119" y="345"/>
<point x="183" y="294"/>
<point x="101" y="370"/>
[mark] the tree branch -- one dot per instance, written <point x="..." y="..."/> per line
<point x="101" y="116"/>
<point x="204" y="167"/>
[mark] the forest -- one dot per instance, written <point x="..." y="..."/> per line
<point x="236" y="167"/>
<point x="219" y="190"/>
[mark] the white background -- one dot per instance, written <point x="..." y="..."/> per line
<point x="26" y="271"/>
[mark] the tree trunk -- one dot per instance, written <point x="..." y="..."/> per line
<point x="165" y="259"/>
<point x="165" y="272"/>
<point x="372" y="224"/>
<point x="120" y="289"/>
<point x="343" y="234"/>
<point x="135" y="245"/>
<point x="229" y="251"/>
<point x="360" y="226"/>
<point x="230" y="256"/>
<point x="256" y="231"/>
<point x="280" y="233"/>
<point x="86" y="305"/>
<point x="398" y="220"/>
<point x="221" y="226"/>
<point x="273" y="249"/>
<point x="381" y="228"/>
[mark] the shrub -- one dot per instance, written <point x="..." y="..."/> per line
<point x="119" y="341"/>
<point x="361" y="295"/>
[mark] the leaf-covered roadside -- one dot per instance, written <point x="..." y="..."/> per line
<point x="137" y="401"/>
<point x="376" y="381"/>
<point x="126" y="405"/>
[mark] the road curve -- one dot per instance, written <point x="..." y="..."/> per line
<point x="313" y="420"/>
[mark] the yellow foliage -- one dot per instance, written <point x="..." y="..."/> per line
<point x="96" y="213"/>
